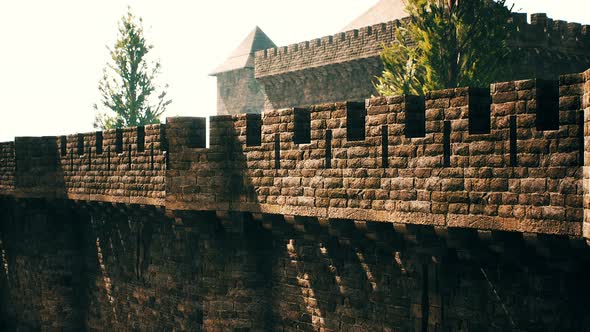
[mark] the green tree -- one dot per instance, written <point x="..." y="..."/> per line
<point x="128" y="88"/>
<point x="447" y="44"/>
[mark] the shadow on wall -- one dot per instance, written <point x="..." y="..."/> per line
<point x="336" y="279"/>
<point x="128" y="266"/>
<point x="140" y="271"/>
<point x="7" y="314"/>
<point x="44" y="277"/>
<point x="92" y="267"/>
<point x="38" y="172"/>
<point x="333" y="279"/>
<point x="235" y="283"/>
<point x="192" y="268"/>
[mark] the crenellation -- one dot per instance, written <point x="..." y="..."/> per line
<point x="509" y="157"/>
<point x="344" y="66"/>
<point x="112" y="166"/>
<point x="185" y="132"/>
<point x="540" y="19"/>
<point x="339" y="43"/>
<point x="519" y="19"/>
<point x="7" y="166"/>
<point x="573" y="31"/>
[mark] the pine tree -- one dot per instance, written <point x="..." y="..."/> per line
<point x="447" y="44"/>
<point x="127" y="87"/>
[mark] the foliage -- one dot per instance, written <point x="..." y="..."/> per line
<point x="402" y="74"/>
<point x="447" y="44"/>
<point x="127" y="87"/>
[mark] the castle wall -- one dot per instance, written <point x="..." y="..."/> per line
<point x="586" y="106"/>
<point x="123" y="165"/>
<point x="465" y="210"/>
<point x="36" y="167"/>
<point x="343" y="66"/>
<point x="331" y="83"/>
<point x="7" y="166"/>
<point x="342" y="47"/>
<point x="239" y="92"/>
<point x="43" y="285"/>
<point x="506" y="159"/>
<point x="83" y="267"/>
<point x="520" y="172"/>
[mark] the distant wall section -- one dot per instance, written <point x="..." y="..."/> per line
<point x="239" y="92"/>
<point x="345" y="81"/>
<point x="343" y="66"/>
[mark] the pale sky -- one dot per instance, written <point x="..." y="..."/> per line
<point x="53" y="52"/>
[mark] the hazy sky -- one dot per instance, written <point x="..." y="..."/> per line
<point x="53" y="52"/>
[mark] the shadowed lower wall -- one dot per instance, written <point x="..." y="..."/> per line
<point x="74" y="267"/>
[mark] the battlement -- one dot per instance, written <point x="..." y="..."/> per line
<point x="122" y="165"/>
<point x="509" y="157"/>
<point x="7" y="166"/>
<point x="341" y="47"/>
<point x="546" y="32"/>
<point x="540" y="33"/>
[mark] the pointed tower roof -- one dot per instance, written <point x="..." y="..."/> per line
<point x="382" y="11"/>
<point x="243" y="56"/>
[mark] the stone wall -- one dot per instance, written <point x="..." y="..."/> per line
<point x="508" y="158"/>
<point x="343" y="66"/>
<point x="36" y="164"/>
<point x="239" y="92"/>
<point x="42" y="279"/>
<point x="319" y="52"/>
<point x="7" y="166"/>
<point x="331" y="83"/>
<point x="124" y="165"/>
<point x="465" y="210"/>
<point x="586" y="106"/>
<point x="86" y="267"/>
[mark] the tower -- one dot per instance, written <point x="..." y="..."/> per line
<point x="237" y="89"/>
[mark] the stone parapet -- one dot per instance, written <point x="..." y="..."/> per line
<point x="542" y="34"/>
<point x="344" y="66"/>
<point x="7" y="167"/>
<point x="342" y="47"/>
<point x="509" y="158"/>
<point x="123" y="166"/>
